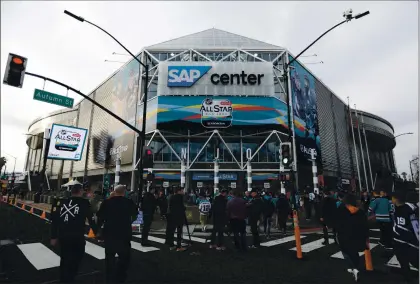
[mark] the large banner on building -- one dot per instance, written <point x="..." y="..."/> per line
<point x="220" y="111"/>
<point x="304" y="111"/>
<point x="67" y="142"/>
<point x="216" y="78"/>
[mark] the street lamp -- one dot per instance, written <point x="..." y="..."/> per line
<point x="146" y="69"/>
<point x="348" y="15"/>
<point x="14" y="165"/>
<point x="407" y="133"/>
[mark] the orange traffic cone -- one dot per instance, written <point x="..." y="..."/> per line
<point x="16" y="202"/>
<point x="43" y="215"/>
<point x="32" y="210"/>
<point x="91" y="234"/>
<point x="23" y="206"/>
<point x="368" y="257"/>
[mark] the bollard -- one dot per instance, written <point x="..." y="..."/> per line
<point x="368" y="257"/>
<point x="297" y="235"/>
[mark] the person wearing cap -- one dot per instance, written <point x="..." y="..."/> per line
<point x="219" y="220"/>
<point x="68" y="229"/>
<point x="406" y="233"/>
<point x="381" y="210"/>
<point x="256" y="209"/>
<point x="117" y="214"/>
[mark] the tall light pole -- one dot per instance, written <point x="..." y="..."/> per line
<point x="14" y="165"/>
<point x="407" y="133"/>
<point x="348" y="15"/>
<point x="146" y="83"/>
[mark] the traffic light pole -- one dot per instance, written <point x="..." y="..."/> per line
<point x="89" y="99"/>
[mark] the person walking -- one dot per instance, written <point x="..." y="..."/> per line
<point x="268" y="211"/>
<point x="365" y="201"/>
<point x="236" y="211"/>
<point x="175" y="220"/>
<point x="219" y="220"/>
<point x="204" y="208"/>
<point x="381" y="209"/>
<point x="148" y="206"/>
<point x="352" y="232"/>
<point x="255" y="213"/>
<point x="68" y="230"/>
<point x="328" y="209"/>
<point x="283" y="211"/>
<point x="406" y="233"/>
<point x="117" y="214"/>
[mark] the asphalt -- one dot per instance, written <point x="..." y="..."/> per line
<point x="274" y="264"/>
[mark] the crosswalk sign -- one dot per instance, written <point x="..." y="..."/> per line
<point x="139" y="219"/>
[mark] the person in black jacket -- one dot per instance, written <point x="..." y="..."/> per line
<point x="328" y="209"/>
<point x="365" y="201"/>
<point x="255" y="212"/>
<point x="148" y="206"/>
<point x="268" y="211"/>
<point x="163" y="205"/>
<point x="68" y="228"/>
<point x="175" y="219"/>
<point x="352" y="232"/>
<point x="117" y="213"/>
<point x="283" y="211"/>
<point x="219" y="220"/>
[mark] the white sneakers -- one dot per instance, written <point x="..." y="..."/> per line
<point x="355" y="273"/>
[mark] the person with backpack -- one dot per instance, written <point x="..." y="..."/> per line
<point x="268" y="211"/>
<point x="406" y="233"/>
<point x="352" y="232"/>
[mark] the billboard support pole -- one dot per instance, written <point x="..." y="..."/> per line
<point x="249" y="174"/>
<point x="354" y="143"/>
<point x="216" y="173"/>
<point x="367" y="151"/>
<point x="361" y="149"/>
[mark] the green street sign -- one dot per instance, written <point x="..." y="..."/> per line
<point x="51" y="98"/>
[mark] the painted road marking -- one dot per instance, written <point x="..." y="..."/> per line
<point x="195" y="239"/>
<point x="96" y="251"/>
<point x="313" y="245"/>
<point x="393" y="262"/>
<point x="141" y="248"/>
<point x="40" y="256"/>
<point x="375" y="230"/>
<point x="340" y="254"/>
<point x="279" y="241"/>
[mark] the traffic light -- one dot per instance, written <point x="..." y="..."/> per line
<point x="286" y="154"/>
<point x="147" y="158"/>
<point x="15" y="70"/>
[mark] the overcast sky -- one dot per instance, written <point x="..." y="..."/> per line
<point x="373" y="60"/>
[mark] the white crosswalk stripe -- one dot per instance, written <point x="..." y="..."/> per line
<point x="279" y="241"/>
<point x="340" y="254"/>
<point x="139" y="247"/>
<point x="313" y="245"/>
<point x="96" y="251"/>
<point x="40" y="256"/>
<point x="393" y="262"/>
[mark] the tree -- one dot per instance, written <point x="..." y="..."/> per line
<point x="3" y="162"/>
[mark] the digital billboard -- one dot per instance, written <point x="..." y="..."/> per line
<point x="220" y="111"/>
<point x="67" y="142"/>
<point x="304" y="111"/>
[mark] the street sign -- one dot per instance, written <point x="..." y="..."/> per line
<point x="233" y="184"/>
<point x="199" y="184"/>
<point x="54" y="99"/>
<point x="166" y="184"/>
<point x="266" y="185"/>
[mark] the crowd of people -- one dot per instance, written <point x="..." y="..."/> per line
<point x="230" y="212"/>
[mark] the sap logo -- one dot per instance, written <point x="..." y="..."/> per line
<point x="185" y="76"/>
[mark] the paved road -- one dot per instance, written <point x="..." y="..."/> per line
<point x="34" y="261"/>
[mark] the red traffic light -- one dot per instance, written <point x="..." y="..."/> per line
<point x="15" y="70"/>
<point x="149" y="152"/>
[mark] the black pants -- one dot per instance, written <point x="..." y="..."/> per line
<point x="239" y="233"/>
<point x="255" y="232"/>
<point x="352" y="257"/>
<point x="406" y="255"/>
<point x="267" y="224"/>
<point x="308" y="210"/>
<point x="386" y="233"/>
<point x="219" y="230"/>
<point x="116" y="268"/>
<point x="282" y="219"/>
<point x="171" y="226"/>
<point x="325" y="231"/>
<point x="147" y="222"/>
<point x="71" y="253"/>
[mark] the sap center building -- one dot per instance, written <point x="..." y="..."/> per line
<point x="215" y="93"/>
